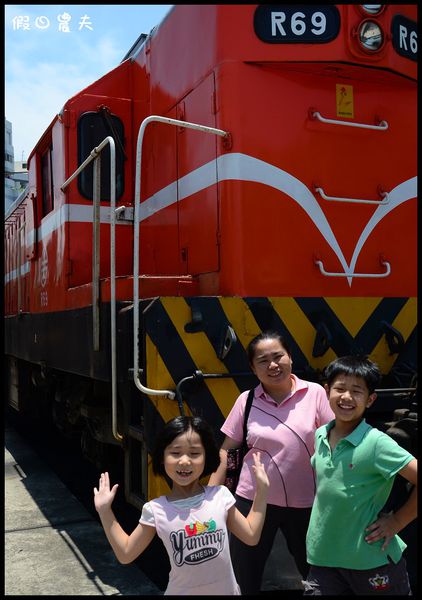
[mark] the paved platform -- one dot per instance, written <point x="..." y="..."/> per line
<point x="53" y="545"/>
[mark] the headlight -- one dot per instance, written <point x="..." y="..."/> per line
<point x="370" y="35"/>
<point x="372" y="9"/>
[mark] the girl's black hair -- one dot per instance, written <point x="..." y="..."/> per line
<point x="357" y="366"/>
<point x="180" y="425"/>
<point x="266" y="335"/>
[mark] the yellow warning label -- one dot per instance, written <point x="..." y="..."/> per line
<point x="344" y="100"/>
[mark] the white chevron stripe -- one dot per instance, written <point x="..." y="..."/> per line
<point x="242" y="167"/>
<point x="402" y="192"/>
<point x="237" y="167"/>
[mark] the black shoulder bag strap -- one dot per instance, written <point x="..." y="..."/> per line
<point x="248" y="405"/>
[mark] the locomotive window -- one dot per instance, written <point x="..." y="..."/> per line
<point x="47" y="182"/>
<point x="93" y="127"/>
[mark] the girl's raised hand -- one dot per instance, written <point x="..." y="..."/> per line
<point x="259" y="470"/>
<point x="103" y="497"/>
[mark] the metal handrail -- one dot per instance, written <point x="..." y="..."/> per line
<point x="355" y="200"/>
<point x="382" y="126"/>
<point x="15" y="204"/>
<point x="348" y="274"/>
<point x="94" y="155"/>
<point x="96" y="183"/>
<point x="395" y="390"/>
<point x="200" y="376"/>
<point x="144" y="124"/>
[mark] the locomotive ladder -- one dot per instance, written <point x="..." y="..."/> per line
<point x="135" y="434"/>
<point x="144" y="124"/>
<point x="95" y="156"/>
<point x="136" y="486"/>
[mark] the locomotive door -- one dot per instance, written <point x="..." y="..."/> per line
<point x="198" y="210"/>
<point x="178" y="226"/>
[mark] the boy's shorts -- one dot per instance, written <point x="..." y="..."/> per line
<point x="388" y="580"/>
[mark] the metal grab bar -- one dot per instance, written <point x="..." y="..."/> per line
<point x="382" y="126"/>
<point x="355" y="200"/>
<point x="329" y="274"/>
<point x="395" y="390"/>
<point x="94" y="155"/>
<point x="165" y="277"/>
<point x="144" y="124"/>
<point x="96" y="222"/>
<point x="200" y="376"/>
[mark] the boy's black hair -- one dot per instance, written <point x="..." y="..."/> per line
<point x="180" y="425"/>
<point x="357" y="366"/>
<point x="266" y="335"/>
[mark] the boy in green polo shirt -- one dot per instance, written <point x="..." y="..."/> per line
<point x="352" y="547"/>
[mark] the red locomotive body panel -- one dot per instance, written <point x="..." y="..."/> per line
<point x="350" y="165"/>
<point x="264" y="94"/>
<point x="302" y="218"/>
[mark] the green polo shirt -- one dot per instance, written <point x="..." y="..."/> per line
<point x="353" y="484"/>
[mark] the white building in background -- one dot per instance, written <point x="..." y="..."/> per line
<point x="20" y="175"/>
<point x="15" y="173"/>
<point x="9" y="167"/>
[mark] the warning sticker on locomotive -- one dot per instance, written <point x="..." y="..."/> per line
<point x="344" y="100"/>
<point x="284" y="23"/>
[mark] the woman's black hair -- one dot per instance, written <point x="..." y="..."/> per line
<point x="180" y="425"/>
<point x="266" y="335"/>
<point x="357" y="366"/>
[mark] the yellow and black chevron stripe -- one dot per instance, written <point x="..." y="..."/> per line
<point x="185" y="335"/>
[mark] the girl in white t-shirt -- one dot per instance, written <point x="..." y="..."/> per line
<point x="192" y="520"/>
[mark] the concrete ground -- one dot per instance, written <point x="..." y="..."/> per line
<point x="53" y="546"/>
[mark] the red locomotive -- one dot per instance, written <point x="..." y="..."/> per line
<point x="147" y="251"/>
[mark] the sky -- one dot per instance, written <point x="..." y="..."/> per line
<point x="54" y="51"/>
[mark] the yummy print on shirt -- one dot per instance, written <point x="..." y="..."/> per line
<point x="197" y="542"/>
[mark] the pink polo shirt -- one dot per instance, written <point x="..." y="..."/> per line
<point x="285" y="435"/>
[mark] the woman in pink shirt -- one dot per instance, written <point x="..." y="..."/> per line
<point x="284" y="415"/>
<point x="192" y="520"/>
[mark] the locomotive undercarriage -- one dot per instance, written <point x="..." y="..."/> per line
<point x="60" y="381"/>
<point x="78" y="401"/>
<point x="80" y="406"/>
<point x="76" y="406"/>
